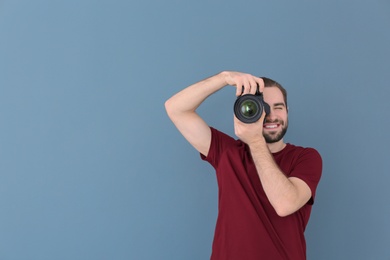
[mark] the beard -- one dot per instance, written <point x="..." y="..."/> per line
<point x="273" y="137"/>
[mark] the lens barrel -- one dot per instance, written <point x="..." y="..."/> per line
<point x="249" y="108"/>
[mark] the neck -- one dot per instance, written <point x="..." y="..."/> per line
<point x="276" y="147"/>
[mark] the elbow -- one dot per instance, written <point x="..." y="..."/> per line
<point x="291" y="202"/>
<point x="168" y="107"/>
<point x="175" y="109"/>
<point x="283" y="213"/>
<point x="284" y="210"/>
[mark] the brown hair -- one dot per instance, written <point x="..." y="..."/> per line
<point x="272" y="83"/>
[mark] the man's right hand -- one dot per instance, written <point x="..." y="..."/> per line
<point x="244" y="83"/>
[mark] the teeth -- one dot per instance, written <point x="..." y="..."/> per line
<point x="271" y="126"/>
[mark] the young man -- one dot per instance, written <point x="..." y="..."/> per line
<point x="266" y="186"/>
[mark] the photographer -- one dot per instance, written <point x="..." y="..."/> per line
<point x="266" y="186"/>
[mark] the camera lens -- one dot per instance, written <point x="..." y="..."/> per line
<point x="249" y="108"/>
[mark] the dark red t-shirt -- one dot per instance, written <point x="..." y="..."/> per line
<point x="247" y="225"/>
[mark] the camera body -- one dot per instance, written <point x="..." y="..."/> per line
<point x="249" y="108"/>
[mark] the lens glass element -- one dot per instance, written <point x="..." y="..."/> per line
<point x="249" y="108"/>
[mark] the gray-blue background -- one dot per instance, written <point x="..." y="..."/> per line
<point x="91" y="167"/>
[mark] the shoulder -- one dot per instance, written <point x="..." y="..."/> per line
<point x="221" y="144"/>
<point x="221" y="138"/>
<point x="299" y="151"/>
<point x="293" y="158"/>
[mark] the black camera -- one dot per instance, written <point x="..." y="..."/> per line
<point x="249" y="108"/>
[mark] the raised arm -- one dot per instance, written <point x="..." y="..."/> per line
<point x="181" y="107"/>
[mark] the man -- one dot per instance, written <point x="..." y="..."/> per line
<point x="266" y="186"/>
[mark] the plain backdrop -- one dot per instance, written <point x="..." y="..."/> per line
<point x="92" y="168"/>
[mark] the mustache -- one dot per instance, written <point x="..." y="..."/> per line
<point x="276" y="121"/>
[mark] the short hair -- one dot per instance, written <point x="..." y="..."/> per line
<point x="272" y="83"/>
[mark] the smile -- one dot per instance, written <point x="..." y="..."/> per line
<point x="271" y="126"/>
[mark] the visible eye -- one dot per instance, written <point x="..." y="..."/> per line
<point x="279" y="108"/>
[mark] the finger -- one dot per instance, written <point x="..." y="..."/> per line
<point x="262" y="118"/>
<point x="237" y="126"/>
<point x="253" y="84"/>
<point x="260" y="83"/>
<point x="239" y="88"/>
<point x="235" y="119"/>
<point x="247" y="86"/>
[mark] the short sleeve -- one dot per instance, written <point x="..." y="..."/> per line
<point x="308" y="168"/>
<point x="219" y="143"/>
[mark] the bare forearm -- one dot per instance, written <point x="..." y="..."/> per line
<point x="280" y="191"/>
<point x="189" y="99"/>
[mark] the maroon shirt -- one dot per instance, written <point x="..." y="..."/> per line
<point x="247" y="225"/>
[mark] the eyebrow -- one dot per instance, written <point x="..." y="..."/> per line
<point x="279" y="104"/>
